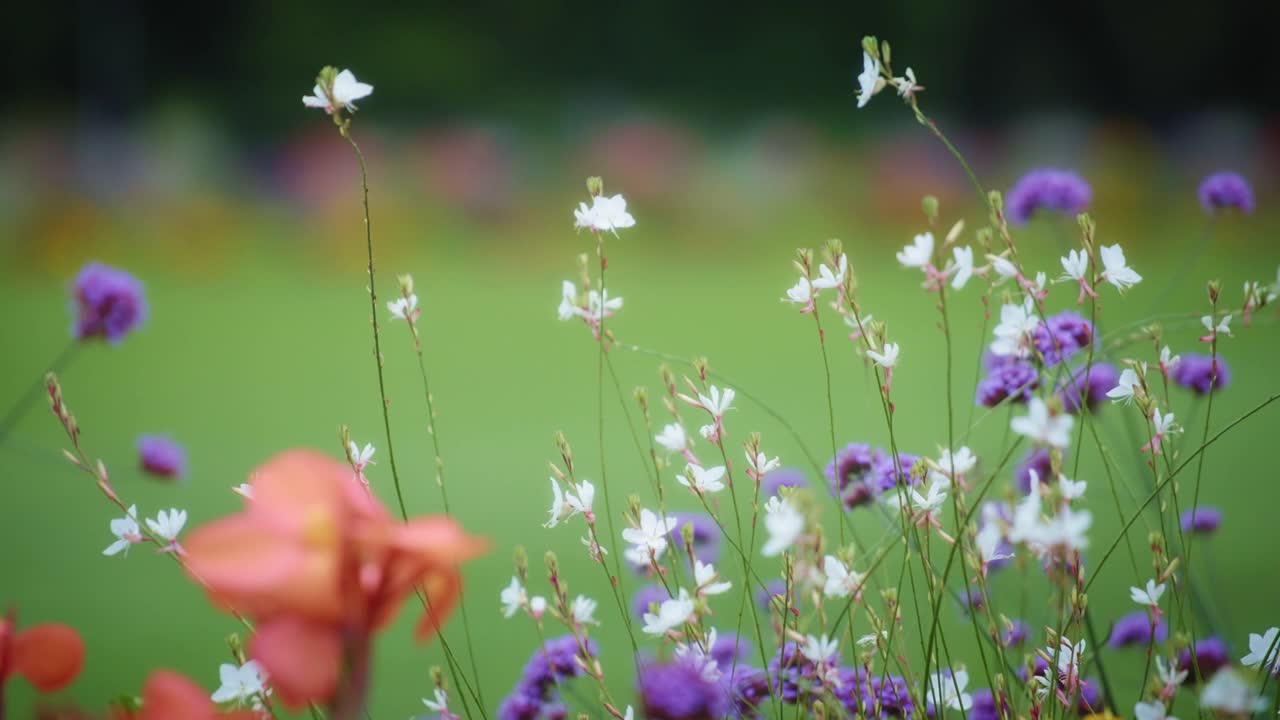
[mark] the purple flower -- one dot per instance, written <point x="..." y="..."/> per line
<point x="1196" y="373"/>
<point x="1204" y="519"/>
<point x="1089" y="701"/>
<point x="847" y="472"/>
<point x="1015" y="635"/>
<point x="1061" y="335"/>
<point x="747" y="689"/>
<point x="1048" y="189"/>
<point x="162" y="457"/>
<point x="647" y="595"/>
<point x="984" y="706"/>
<point x="887" y="474"/>
<point x="533" y="697"/>
<point x="1135" y="629"/>
<point x="108" y="303"/>
<point x="1093" y="387"/>
<point x="1223" y="190"/>
<point x="793" y="674"/>
<point x="678" y="691"/>
<point x="706" y="536"/>
<point x="972" y="600"/>
<point x="727" y="649"/>
<point x="1007" y="377"/>
<point x="890" y="694"/>
<point x="1211" y="656"/>
<point x="780" y="478"/>
<point x="1038" y="460"/>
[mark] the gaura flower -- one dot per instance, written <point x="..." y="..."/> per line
<point x="48" y="655"/>
<point x="320" y="565"/>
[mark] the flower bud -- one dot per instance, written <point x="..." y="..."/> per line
<point x="595" y="186"/>
<point x="930" y="206"/>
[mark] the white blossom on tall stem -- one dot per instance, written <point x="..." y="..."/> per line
<point x="841" y="582"/>
<point x="126" y="531"/>
<point x="802" y="294"/>
<point x="919" y="253"/>
<point x="341" y="95"/>
<point x="1115" y="270"/>
<point x="1151" y="711"/>
<point x="1148" y="596"/>
<point x="1223" y="327"/>
<point x="830" y="279"/>
<point x="963" y="269"/>
<point x="583" y="611"/>
<point x="513" y="598"/>
<point x="1168" y="360"/>
<point x="708" y="580"/>
<point x="760" y="464"/>
<point x="243" y="684"/>
<point x="1264" y="652"/>
<point x="1170" y="678"/>
<point x="440" y="705"/>
<point x="700" y="480"/>
<point x="784" y="524"/>
<point x="820" y="650"/>
<point x="673" y="438"/>
<point x="1162" y="425"/>
<point x="1014" y="331"/>
<point x="1128" y="387"/>
<point x="649" y="538"/>
<point x="1075" y="267"/>
<point x="988" y="541"/>
<point x="869" y="81"/>
<point x="672" y="613"/>
<point x="566" y="505"/>
<point x="716" y="403"/>
<point x="1230" y="694"/>
<point x="947" y="688"/>
<point x="1070" y="489"/>
<point x="167" y="526"/>
<point x="1043" y="426"/>
<point x="605" y="214"/>
<point x="954" y="466"/>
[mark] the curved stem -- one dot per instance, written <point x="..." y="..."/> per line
<point x="60" y="362"/>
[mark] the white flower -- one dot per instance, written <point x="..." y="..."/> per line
<point x="596" y="310"/>
<point x="513" y="598"/>
<point x="167" y="525"/>
<point x="868" y="81"/>
<point x="360" y="456"/>
<point x="959" y="463"/>
<point x="841" y="582"/>
<point x="606" y="214"/>
<point x="568" y="301"/>
<point x="708" y="432"/>
<point x="716" y="402"/>
<point x="1228" y="693"/>
<point x="706" y="577"/>
<point x="1148" y="596"/>
<point x="784" y="524"/>
<point x="673" y="438"/>
<point x="1169" y="674"/>
<point x="887" y="357"/>
<point x="1115" y="270"/>
<point x="440" y="704"/>
<point x="345" y="91"/>
<point x="1042" y="426"/>
<point x="801" y="293"/>
<point x="762" y="464"/>
<point x="947" y="688"/>
<point x="1003" y="266"/>
<point x="928" y="504"/>
<point x="1013" y="333"/>
<point x="964" y="266"/>
<point x="583" y="611"/>
<point x="672" y="613"/>
<point x="828" y="279"/>
<point x="702" y="481"/>
<point x="988" y="541"/>
<point x="1126" y="387"/>
<point x="1069" y="657"/>
<point x="566" y="505"/>
<point x="819" y="650"/>
<point x="918" y="253"/>
<point x="403" y="309"/>
<point x="630" y="714"/>
<point x="1150" y="711"/>
<point x="1164" y="424"/>
<point x="537" y="606"/>
<point x="244" y="490"/>
<point x="907" y="85"/>
<point x="1075" y="266"/>
<point x="559" y="508"/>
<point x="1263" y="653"/>
<point x="126" y="531"/>
<point x="1071" y="489"/>
<point x="1066" y="530"/>
<point x="1167" y="359"/>
<point x="1223" y="326"/>
<point x="239" y="684"/>
<point x="650" y="537"/>
<point x="694" y="654"/>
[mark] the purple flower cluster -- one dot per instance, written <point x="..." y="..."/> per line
<point x="678" y="690"/>
<point x="1134" y="629"/>
<point x="534" y="696"/>
<point x="107" y="303"/>
<point x="1211" y="656"/>
<point x="1204" y="519"/>
<point x="1038" y="460"/>
<point x="1091" y="386"/>
<point x="1223" y="190"/>
<point x="984" y="706"/>
<point x="1007" y="377"/>
<point x="1047" y="189"/>
<point x="1197" y="373"/>
<point x="1061" y="335"/>
<point x="794" y="676"/>
<point x="747" y="688"/>
<point x="780" y="478"/>
<point x="875" y="696"/>
<point x="861" y="473"/>
<point x="162" y="457"/>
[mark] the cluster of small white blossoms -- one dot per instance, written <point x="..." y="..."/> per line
<point x="593" y="306"/>
<point x="164" y="530"/>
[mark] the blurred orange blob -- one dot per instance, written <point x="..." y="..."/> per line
<point x="49" y="656"/>
<point x="170" y="696"/>
<point x="320" y="565"/>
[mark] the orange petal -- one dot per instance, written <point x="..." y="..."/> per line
<point x="442" y="588"/>
<point x="302" y="659"/>
<point x="438" y="538"/>
<point x="297" y="482"/>
<point x="49" y="656"/>
<point x="168" y="695"/>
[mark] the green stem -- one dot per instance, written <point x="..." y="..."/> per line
<point x="60" y="362"/>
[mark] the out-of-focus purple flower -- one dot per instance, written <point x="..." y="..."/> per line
<point x="847" y="473"/>
<point x="886" y="474"/>
<point x="984" y="706"/>
<point x="706" y="536"/>
<point x="1223" y="190"/>
<point x="972" y="600"/>
<point x="1007" y="377"/>
<point x="1093" y="387"/>
<point x="793" y="674"/>
<point x="772" y="588"/>
<point x="1038" y="460"/>
<point x="727" y="649"/>
<point x="747" y="689"/>
<point x="1204" y="519"/>
<point x="162" y="457"/>
<point x="1195" y="372"/>
<point x="108" y="303"/>
<point x="647" y="595"/>
<point x="1061" y="336"/>
<point x="1211" y="656"/>
<point x="1135" y="629"/>
<point x="780" y="478"/>
<point x="892" y="696"/>
<point x="677" y="690"/>
<point x="1089" y="701"/>
<point x="1015" y="635"/>
<point x="1047" y="189"/>
<point x="533" y="697"/>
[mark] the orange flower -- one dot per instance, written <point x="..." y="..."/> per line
<point x="49" y="656"/>
<point x="320" y="565"/>
<point x="170" y="696"/>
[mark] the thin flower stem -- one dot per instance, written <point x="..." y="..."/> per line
<point x="19" y="409"/>
<point x="831" y="412"/>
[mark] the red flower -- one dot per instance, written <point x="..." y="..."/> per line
<point x="49" y="656"/>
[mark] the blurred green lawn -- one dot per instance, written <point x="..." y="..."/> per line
<point x="270" y="350"/>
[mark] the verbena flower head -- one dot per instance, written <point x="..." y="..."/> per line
<point x="1051" y="189"/>
<point x="1007" y="377"/>
<point x="161" y="457"/>
<point x="1134" y="629"/>
<point x="1211" y="656"/>
<point x="1038" y="461"/>
<point x="1204" y="519"/>
<point x="1226" y="190"/>
<point x="848" y="473"/>
<point x="1091" y="386"/>
<point x="297" y="561"/>
<point x="678" y="690"/>
<point x="1196" y="373"/>
<point x="107" y="302"/>
<point x="1061" y="335"/>
<point x="534" y="696"/>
